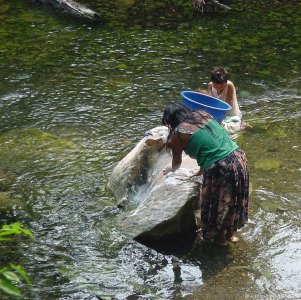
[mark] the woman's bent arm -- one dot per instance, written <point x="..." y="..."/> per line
<point x="177" y="149"/>
<point x="176" y="158"/>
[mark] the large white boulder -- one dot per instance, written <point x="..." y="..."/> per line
<point x="156" y="206"/>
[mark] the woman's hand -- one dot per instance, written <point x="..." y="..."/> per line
<point x="198" y="173"/>
<point x="202" y="91"/>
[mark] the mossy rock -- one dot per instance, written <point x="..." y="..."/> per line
<point x="280" y="134"/>
<point x="23" y="150"/>
<point x="240" y="139"/>
<point x="268" y="164"/>
<point x="7" y="203"/>
<point x="259" y="127"/>
<point x="31" y="139"/>
<point x="125" y="4"/>
<point x="269" y="206"/>
<point x="270" y="130"/>
<point x="5" y="181"/>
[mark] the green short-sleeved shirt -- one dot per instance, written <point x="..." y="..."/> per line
<point x="210" y="144"/>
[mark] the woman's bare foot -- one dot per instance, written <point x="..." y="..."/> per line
<point x="231" y="237"/>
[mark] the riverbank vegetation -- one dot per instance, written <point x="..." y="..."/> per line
<point x="150" y="12"/>
<point x="12" y="274"/>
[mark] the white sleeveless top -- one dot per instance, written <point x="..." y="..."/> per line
<point x="235" y="108"/>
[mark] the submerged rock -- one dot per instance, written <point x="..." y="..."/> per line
<point x="158" y="206"/>
<point x="26" y="149"/>
<point x="8" y="203"/>
<point x="268" y="164"/>
<point x="5" y="181"/>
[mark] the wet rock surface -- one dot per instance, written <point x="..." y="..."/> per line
<point x="157" y="206"/>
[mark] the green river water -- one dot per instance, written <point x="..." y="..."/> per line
<point x="75" y="98"/>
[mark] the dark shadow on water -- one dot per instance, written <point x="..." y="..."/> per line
<point x="176" y="245"/>
<point x="209" y="257"/>
<point x="184" y="245"/>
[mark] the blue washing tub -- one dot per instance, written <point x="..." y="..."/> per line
<point x="217" y="108"/>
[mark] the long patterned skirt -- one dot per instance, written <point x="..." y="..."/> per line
<point x="225" y="195"/>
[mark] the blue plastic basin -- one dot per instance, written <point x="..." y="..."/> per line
<point x="217" y="108"/>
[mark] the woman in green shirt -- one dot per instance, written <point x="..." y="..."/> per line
<point x="225" y="189"/>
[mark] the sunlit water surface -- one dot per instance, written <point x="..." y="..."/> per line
<point x="100" y="89"/>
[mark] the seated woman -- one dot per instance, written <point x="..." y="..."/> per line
<point x="225" y="189"/>
<point x="222" y="88"/>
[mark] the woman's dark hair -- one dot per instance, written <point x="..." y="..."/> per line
<point x="176" y="113"/>
<point x="219" y="75"/>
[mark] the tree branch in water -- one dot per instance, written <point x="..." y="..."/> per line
<point x="200" y="4"/>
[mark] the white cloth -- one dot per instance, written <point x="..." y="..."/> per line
<point x="233" y="125"/>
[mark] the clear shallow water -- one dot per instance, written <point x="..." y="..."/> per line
<point x="98" y="89"/>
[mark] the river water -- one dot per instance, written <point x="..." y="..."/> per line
<point x="75" y="98"/>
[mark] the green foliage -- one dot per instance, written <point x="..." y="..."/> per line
<point x="12" y="274"/>
<point x="13" y="229"/>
